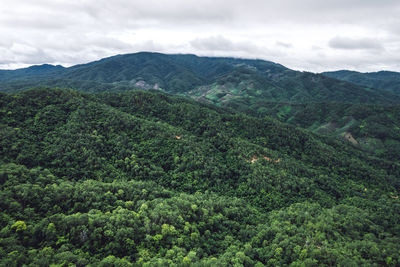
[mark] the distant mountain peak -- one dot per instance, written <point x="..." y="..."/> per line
<point x="251" y="80"/>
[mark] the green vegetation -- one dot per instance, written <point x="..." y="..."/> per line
<point x="375" y="128"/>
<point x="382" y="80"/>
<point x="258" y="88"/>
<point x="143" y="178"/>
<point x="253" y="81"/>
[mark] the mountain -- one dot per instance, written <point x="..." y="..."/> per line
<point x="32" y="72"/>
<point x="173" y="73"/>
<point x="372" y="128"/>
<point x="225" y="81"/>
<point x="366" y="116"/>
<point x="259" y="88"/>
<point x="385" y="80"/>
<point x="251" y="93"/>
<point x="146" y="178"/>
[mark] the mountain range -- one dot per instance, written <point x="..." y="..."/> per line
<point x="336" y="105"/>
<point x="207" y="77"/>
<point x="385" y="80"/>
<point x="150" y="159"/>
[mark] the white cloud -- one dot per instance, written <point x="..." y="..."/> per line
<point x="284" y="31"/>
<point x="340" y="42"/>
<point x="284" y="44"/>
<point x="220" y="43"/>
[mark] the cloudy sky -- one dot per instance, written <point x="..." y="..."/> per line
<point x="312" y="35"/>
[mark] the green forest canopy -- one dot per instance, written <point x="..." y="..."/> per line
<point x="145" y="178"/>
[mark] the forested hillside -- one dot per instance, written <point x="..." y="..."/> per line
<point x="385" y="80"/>
<point x="222" y="80"/>
<point x="372" y="128"/>
<point x="366" y="114"/>
<point x="146" y="178"/>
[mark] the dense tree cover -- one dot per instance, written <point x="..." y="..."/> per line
<point x="248" y="88"/>
<point x="143" y="178"/>
<point x="219" y="79"/>
<point x="33" y="72"/>
<point x="125" y="223"/>
<point x="173" y="73"/>
<point x="316" y="102"/>
<point x="384" y="80"/>
<point x="374" y="128"/>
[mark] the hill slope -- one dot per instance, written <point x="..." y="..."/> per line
<point x="385" y="80"/>
<point x="256" y="87"/>
<point x="33" y="72"/>
<point x="143" y="177"/>
<point x="373" y="128"/>
<point x="221" y="79"/>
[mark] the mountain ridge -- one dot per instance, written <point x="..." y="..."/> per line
<point x="257" y="87"/>
<point x="384" y="80"/>
<point x="181" y="73"/>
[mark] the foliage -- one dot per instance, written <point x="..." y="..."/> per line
<point x="237" y="81"/>
<point x="317" y="102"/>
<point x="375" y="128"/>
<point x="143" y="178"/>
<point x="382" y="80"/>
<point x="19" y="226"/>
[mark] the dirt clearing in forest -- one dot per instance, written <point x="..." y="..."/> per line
<point x="254" y="159"/>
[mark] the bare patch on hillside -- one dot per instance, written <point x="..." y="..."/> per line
<point x="254" y="159"/>
<point x="349" y="137"/>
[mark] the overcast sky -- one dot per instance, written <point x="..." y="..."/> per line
<point x="312" y="35"/>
